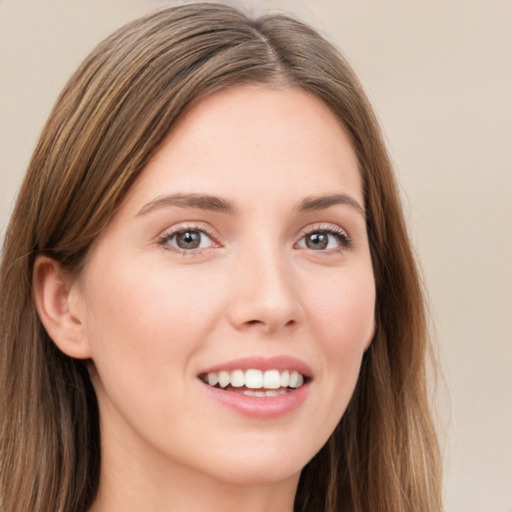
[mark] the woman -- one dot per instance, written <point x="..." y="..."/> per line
<point x="207" y="285"/>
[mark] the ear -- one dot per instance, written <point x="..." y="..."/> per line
<point x="57" y="298"/>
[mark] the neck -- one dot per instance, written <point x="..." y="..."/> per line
<point x="211" y="497"/>
<point x="139" y="479"/>
<point x="182" y="491"/>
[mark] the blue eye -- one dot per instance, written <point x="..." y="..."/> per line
<point x="188" y="239"/>
<point x="324" y="240"/>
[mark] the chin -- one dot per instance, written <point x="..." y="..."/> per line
<point x="262" y="465"/>
<point x="261" y="473"/>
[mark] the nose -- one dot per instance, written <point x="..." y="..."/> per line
<point x="264" y="295"/>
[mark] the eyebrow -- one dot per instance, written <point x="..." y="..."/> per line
<point x="218" y="204"/>
<point x="201" y="201"/>
<point x="322" y="202"/>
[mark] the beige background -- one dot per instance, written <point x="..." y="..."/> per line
<point x="440" y="77"/>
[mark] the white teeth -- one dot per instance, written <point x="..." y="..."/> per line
<point x="271" y="379"/>
<point x="271" y="392"/>
<point x="294" y="380"/>
<point x="256" y="379"/>
<point x="224" y="379"/>
<point x="237" y="378"/>
<point x="213" y="378"/>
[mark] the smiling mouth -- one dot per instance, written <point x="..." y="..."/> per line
<point x="256" y="383"/>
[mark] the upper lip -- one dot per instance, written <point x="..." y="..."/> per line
<point x="279" y="362"/>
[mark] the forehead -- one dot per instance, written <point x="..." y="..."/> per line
<point x="252" y="140"/>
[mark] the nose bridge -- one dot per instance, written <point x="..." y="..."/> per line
<point x="265" y="294"/>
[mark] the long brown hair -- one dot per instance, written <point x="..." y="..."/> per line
<point x="106" y="125"/>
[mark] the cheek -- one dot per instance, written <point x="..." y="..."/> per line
<point x="343" y="310"/>
<point x="343" y="316"/>
<point x="141" y="317"/>
<point x="144" y="328"/>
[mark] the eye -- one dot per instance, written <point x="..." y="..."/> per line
<point x="187" y="240"/>
<point x="325" y="240"/>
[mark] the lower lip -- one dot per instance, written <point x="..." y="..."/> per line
<point x="260" y="407"/>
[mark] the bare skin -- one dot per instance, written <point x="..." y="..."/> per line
<point x="244" y="237"/>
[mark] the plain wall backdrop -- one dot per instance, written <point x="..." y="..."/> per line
<point x="439" y="74"/>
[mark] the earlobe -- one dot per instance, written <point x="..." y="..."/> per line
<point x="54" y="295"/>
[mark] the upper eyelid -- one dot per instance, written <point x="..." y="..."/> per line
<point x="168" y="234"/>
<point x="199" y="226"/>
<point x="188" y="225"/>
<point x="323" y="226"/>
<point x="345" y="240"/>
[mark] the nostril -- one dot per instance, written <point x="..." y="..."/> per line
<point x="290" y="323"/>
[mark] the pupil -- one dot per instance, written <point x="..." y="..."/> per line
<point x="188" y="240"/>
<point x="317" y="241"/>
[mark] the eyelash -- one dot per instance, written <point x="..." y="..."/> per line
<point x="169" y="235"/>
<point x="345" y="242"/>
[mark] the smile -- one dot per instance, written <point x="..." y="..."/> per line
<point x="254" y="382"/>
<point x="259" y="386"/>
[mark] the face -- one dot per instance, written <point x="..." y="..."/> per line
<point x="240" y="255"/>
